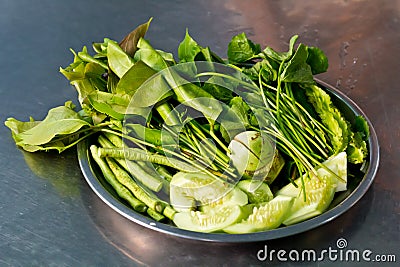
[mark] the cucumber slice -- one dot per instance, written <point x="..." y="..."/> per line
<point x="188" y="191"/>
<point x="337" y="164"/>
<point x="211" y="221"/>
<point x="257" y="191"/>
<point x="233" y="197"/>
<point x="319" y="194"/>
<point x="264" y="217"/>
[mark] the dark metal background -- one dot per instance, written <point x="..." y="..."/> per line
<point x="48" y="214"/>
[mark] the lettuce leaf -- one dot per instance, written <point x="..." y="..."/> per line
<point x="338" y="127"/>
<point x="341" y="136"/>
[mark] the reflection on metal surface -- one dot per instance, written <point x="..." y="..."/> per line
<point x="57" y="170"/>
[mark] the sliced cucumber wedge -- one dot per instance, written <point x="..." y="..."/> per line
<point x="211" y="221"/>
<point x="266" y="216"/>
<point x="234" y="197"/>
<point x="338" y="165"/>
<point x="189" y="191"/>
<point x="257" y="191"/>
<point x="319" y="195"/>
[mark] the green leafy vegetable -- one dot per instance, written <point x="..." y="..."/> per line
<point x="118" y="60"/>
<point x="60" y="121"/>
<point x="188" y="49"/>
<point x="129" y="43"/>
<point x="241" y="49"/>
<point x="134" y="78"/>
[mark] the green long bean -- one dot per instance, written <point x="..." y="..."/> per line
<point x="121" y="190"/>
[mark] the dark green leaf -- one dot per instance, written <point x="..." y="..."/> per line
<point x="241" y="109"/>
<point x="263" y="68"/>
<point x="204" y="55"/>
<point x="317" y="60"/>
<point x="241" y="49"/>
<point x="357" y="148"/>
<point x="361" y="125"/>
<point x="297" y="69"/>
<point x="231" y="123"/>
<point x="188" y="49"/>
<point x="281" y="56"/>
<point x="129" y="43"/>
<point x="215" y="86"/>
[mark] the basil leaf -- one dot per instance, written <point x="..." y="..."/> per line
<point x="297" y="69"/>
<point x="109" y="104"/>
<point x="18" y="127"/>
<point x="241" y="49"/>
<point x="119" y="61"/>
<point x="281" y="56"/>
<point x="151" y="92"/>
<point x="188" y="49"/>
<point x="263" y="68"/>
<point x="193" y="96"/>
<point x="168" y="57"/>
<point x="85" y="77"/>
<point x="150" y="56"/>
<point x="84" y="55"/>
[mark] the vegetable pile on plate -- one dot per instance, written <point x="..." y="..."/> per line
<point x="234" y="145"/>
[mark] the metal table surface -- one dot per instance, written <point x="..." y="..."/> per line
<point x="48" y="214"/>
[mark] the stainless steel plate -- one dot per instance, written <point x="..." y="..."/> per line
<point x="342" y="202"/>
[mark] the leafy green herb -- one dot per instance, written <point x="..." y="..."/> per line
<point x="60" y="122"/>
<point x="118" y="60"/>
<point x="188" y="49"/>
<point x="241" y="49"/>
<point x="129" y="43"/>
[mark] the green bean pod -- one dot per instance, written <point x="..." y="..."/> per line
<point x="121" y="190"/>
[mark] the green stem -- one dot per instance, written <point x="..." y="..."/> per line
<point x="167" y="114"/>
